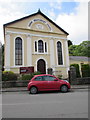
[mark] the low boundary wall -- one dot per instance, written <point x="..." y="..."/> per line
<point x="24" y="83"/>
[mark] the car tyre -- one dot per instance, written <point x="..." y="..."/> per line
<point x="64" y="88"/>
<point x="33" y="90"/>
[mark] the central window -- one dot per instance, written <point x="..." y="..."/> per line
<point x="40" y="46"/>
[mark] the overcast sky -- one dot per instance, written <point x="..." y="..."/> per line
<point x="71" y="16"/>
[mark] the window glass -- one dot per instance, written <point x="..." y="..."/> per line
<point x="38" y="78"/>
<point x="59" y="51"/>
<point x="45" y="47"/>
<point x="35" y="46"/>
<point x="18" y="51"/>
<point x="48" y="78"/>
<point x="40" y="46"/>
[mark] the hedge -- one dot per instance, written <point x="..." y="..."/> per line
<point x="8" y="76"/>
<point x="85" y="68"/>
<point x="29" y="76"/>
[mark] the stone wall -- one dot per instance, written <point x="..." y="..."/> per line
<point x="19" y="83"/>
<point x="24" y="83"/>
<point x="85" y="80"/>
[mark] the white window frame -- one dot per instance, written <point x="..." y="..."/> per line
<point x="36" y="52"/>
<point x="22" y="51"/>
<point x="62" y="54"/>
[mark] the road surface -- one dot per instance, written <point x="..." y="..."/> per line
<point x="73" y="104"/>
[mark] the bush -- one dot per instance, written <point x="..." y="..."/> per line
<point x="29" y="76"/>
<point x="37" y="73"/>
<point x="26" y="77"/>
<point x="8" y="76"/>
<point x="85" y="68"/>
<point x="77" y="70"/>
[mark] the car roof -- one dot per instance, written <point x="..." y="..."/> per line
<point x="43" y="75"/>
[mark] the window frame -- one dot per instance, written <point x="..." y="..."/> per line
<point x="36" y="46"/>
<point x="40" y="46"/>
<point x="18" y="51"/>
<point x="45" y="47"/>
<point x="38" y="77"/>
<point x="59" y="53"/>
<point x="49" y="77"/>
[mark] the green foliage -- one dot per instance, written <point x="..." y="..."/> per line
<point x="29" y="76"/>
<point x="70" y="43"/>
<point x="80" y="50"/>
<point x="77" y="70"/>
<point x="37" y="73"/>
<point x="85" y="68"/>
<point x="9" y="76"/>
<point x="72" y="49"/>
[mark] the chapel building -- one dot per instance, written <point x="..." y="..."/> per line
<point x="37" y="41"/>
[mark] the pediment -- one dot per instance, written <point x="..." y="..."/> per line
<point x="37" y="22"/>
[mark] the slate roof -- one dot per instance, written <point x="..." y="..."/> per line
<point x="79" y="58"/>
<point x="39" y="12"/>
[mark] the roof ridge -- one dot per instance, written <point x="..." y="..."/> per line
<point x="38" y="12"/>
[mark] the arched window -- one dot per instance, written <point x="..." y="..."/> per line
<point x="59" y="52"/>
<point x="18" y="51"/>
<point x="35" y="46"/>
<point x="45" y="47"/>
<point x="40" y="46"/>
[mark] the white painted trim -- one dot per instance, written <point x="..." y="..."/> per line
<point x="44" y="53"/>
<point x="35" y="53"/>
<point x="60" y="66"/>
<point x="52" y="56"/>
<point x="29" y="51"/>
<point x="17" y="66"/>
<point x="46" y="36"/>
<point x="67" y="55"/>
<point x="7" y="52"/>
<point x="45" y="62"/>
<point x="47" y="47"/>
<point x="22" y="50"/>
<point x="62" y="54"/>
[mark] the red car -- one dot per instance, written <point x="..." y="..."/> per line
<point x="46" y="82"/>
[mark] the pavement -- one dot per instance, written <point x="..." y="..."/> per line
<point x="21" y="89"/>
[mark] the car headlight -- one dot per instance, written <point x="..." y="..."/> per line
<point x="66" y="81"/>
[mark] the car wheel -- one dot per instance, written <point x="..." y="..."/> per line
<point x="33" y="90"/>
<point x="64" y="88"/>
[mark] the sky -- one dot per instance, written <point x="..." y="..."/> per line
<point x="71" y="15"/>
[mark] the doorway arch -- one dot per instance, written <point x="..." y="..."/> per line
<point x="41" y="66"/>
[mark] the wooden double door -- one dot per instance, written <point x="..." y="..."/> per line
<point x="41" y="66"/>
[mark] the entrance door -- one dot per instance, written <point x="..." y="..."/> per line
<point x="41" y="66"/>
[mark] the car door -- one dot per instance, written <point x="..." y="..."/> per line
<point x="40" y="83"/>
<point x="52" y="83"/>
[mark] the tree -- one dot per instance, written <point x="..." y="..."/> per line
<point x="80" y="50"/>
<point x="69" y="43"/>
<point x="72" y="49"/>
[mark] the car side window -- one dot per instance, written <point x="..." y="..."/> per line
<point x="39" y="78"/>
<point x="48" y="78"/>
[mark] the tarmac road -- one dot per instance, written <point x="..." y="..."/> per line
<point x="73" y="104"/>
